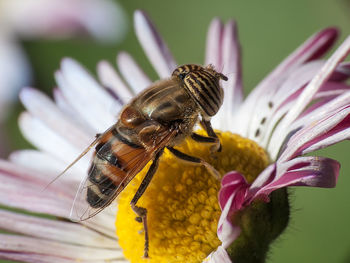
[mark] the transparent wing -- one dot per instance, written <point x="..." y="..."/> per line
<point x="97" y="140"/>
<point x="113" y="166"/>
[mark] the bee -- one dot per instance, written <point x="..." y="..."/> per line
<point x="160" y="117"/>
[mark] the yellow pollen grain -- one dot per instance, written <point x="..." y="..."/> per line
<point x="182" y="203"/>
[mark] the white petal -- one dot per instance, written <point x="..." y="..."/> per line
<point x="153" y="45"/>
<point x="40" y="258"/>
<point x="34" y="258"/>
<point x="132" y="73"/>
<point x="94" y="104"/>
<point x="213" y="53"/>
<point x="64" y="105"/>
<point x="233" y="88"/>
<point x="32" y="197"/>
<point x="65" y="232"/>
<point x="36" y="245"/>
<point x="232" y="65"/>
<point x="295" y="82"/>
<point x="40" y="106"/>
<point x="50" y="142"/>
<point x="110" y="78"/>
<point x="44" y="164"/>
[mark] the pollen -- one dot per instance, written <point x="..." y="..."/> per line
<point x="182" y="201"/>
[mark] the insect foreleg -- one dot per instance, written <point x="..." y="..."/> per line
<point x="141" y="211"/>
<point x="189" y="158"/>
<point x="207" y="127"/>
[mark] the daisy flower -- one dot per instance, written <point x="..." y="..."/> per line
<point x="103" y="19"/>
<point x="300" y="107"/>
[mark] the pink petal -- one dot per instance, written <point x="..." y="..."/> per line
<point x="331" y="89"/>
<point x="342" y="73"/>
<point x="264" y="178"/>
<point x="231" y="198"/>
<point x="231" y="183"/>
<point x="330" y="139"/>
<point x="322" y="109"/>
<point x="286" y="96"/>
<point x="307" y="95"/>
<point x="325" y="98"/>
<point x="227" y="232"/>
<point x="332" y="123"/>
<point x="313" y="48"/>
<point x="338" y="133"/>
<point x="303" y="171"/>
<point x="153" y="45"/>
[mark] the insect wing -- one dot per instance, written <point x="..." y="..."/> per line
<point x="107" y="178"/>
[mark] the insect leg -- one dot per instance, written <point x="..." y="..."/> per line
<point x="195" y="160"/>
<point x="207" y="127"/>
<point x="141" y="211"/>
<point x="205" y="139"/>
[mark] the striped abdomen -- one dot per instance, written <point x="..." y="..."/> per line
<point x="115" y="163"/>
<point x="202" y="83"/>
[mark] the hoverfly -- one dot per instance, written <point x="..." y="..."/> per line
<point x="160" y="117"/>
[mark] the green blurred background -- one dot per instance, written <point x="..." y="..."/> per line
<point x="269" y="30"/>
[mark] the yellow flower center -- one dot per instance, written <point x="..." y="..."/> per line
<point x="182" y="202"/>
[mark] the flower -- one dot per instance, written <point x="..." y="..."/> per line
<point x="50" y="19"/>
<point x="300" y="107"/>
